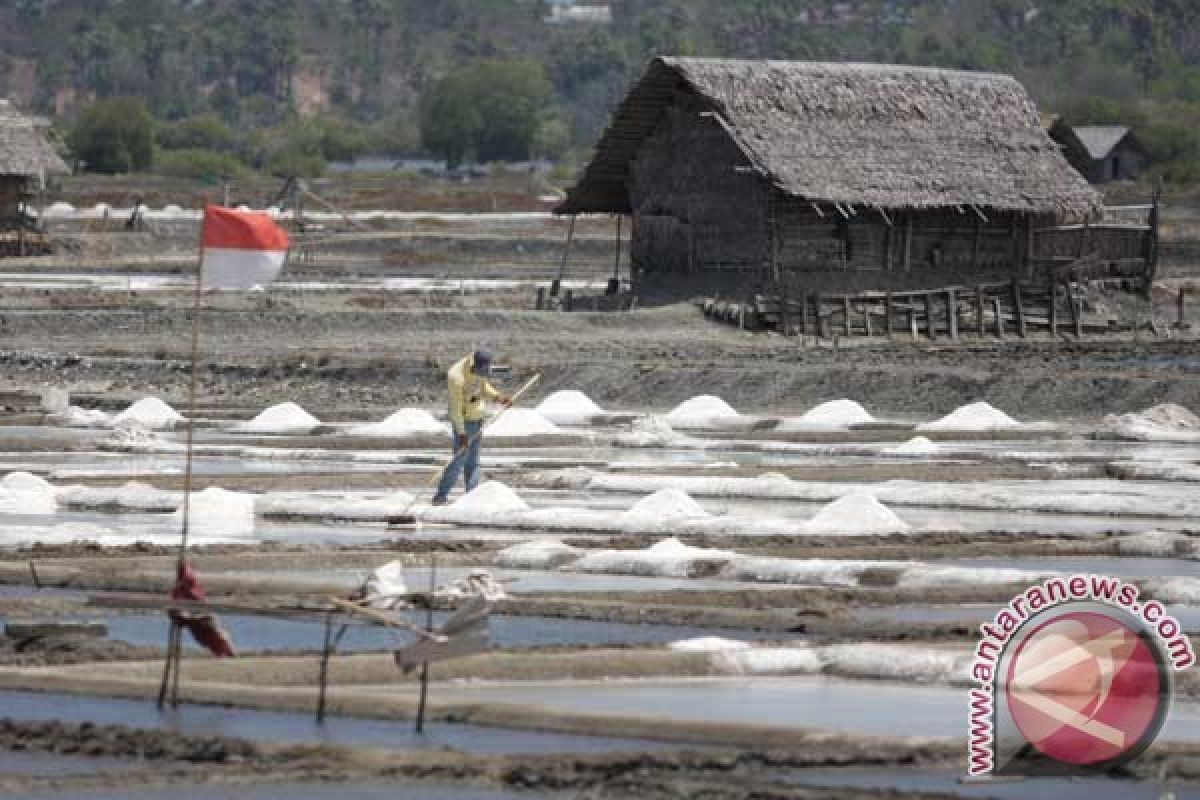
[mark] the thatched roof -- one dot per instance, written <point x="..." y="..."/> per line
<point x="864" y="134"/>
<point x="23" y="149"/>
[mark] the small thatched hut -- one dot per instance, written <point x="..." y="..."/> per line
<point x="26" y="159"/>
<point x="744" y="173"/>
<point x="1102" y="153"/>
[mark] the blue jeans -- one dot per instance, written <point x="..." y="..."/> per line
<point x="468" y="460"/>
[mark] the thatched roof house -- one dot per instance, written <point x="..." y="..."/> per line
<point x="24" y="151"/>
<point x="793" y="166"/>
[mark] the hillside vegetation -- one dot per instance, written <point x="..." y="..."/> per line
<point x="283" y="85"/>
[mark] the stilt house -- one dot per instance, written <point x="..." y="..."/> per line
<point x="739" y="174"/>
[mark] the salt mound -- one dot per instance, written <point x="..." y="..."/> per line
<point x="1156" y="544"/>
<point x="1153" y="423"/>
<point x="149" y="412"/>
<point x="283" y="418"/>
<point x="708" y="644"/>
<point x="974" y="417"/>
<point x="834" y="414"/>
<point x="102" y="208"/>
<point x="60" y="208"/>
<point x="918" y="446"/>
<point x="568" y="406"/>
<point x="490" y="497"/>
<point x="701" y="410"/>
<point x="385" y="587"/>
<point x="26" y="482"/>
<point x="669" y="558"/>
<point x="537" y="554"/>
<point x="856" y="513"/>
<point x="76" y="417"/>
<point x="171" y="208"/>
<point x="650" y="431"/>
<point x="521" y="422"/>
<point x="220" y="509"/>
<point x="666" y="503"/>
<point x="405" y="422"/>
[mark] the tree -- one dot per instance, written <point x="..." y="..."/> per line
<point x="114" y="135"/>
<point x="490" y="110"/>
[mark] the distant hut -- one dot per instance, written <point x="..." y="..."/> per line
<point x="742" y="173"/>
<point x="26" y="160"/>
<point x="1102" y="153"/>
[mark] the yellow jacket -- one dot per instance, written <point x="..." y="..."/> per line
<point x="466" y="393"/>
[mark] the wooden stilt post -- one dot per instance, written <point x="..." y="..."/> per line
<point x="804" y="312"/>
<point x="168" y="665"/>
<point x="867" y="320"/>
<point x="178" y="647"/>
<point x="912" y="322"/>
<point x="979" y="311"/>
<point x="846" y="315"/>
<point x="888" y="312"/>
<point x="952" y="314"/>
<point x="930" y="328"/>
<point x="1076" y="313"/>
<point x="999" y="318"/>
<point x="562" y="267"/>
<point x="908" y="231"/>
<point x="1053" y="310"/>
<point x="1019" y="308"/>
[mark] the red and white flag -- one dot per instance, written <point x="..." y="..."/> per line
<point x="241" y="249"/>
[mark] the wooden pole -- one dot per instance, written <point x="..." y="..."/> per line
<point x="1179" y="321"/>
<point x="177" y="660"/>
<point x="1076" y="315"/>
<point x="889" y="310"/>
<point x="803" y="312"/>
<point x="1019" y="309"/>
<point x="541" y="298"/>
<point x="999" y="318"/>
<point x="168" y="663"/>
<point x="908" y="232"/>
<point x="912" y="322"/>
<point x="1053" y="310"/>
<point x="952" y="314"/>
<point x="930" y="328"/>
<point x="979" y="323"/>
<point x="867" y="320"/>
<point x="323" y="675"/>
<point x="562" y="267"/>
<point x="846" y="315"/>
<point x="425" y="664"/>
<point x="617" y="253"/>
<point x="975" y="248"/>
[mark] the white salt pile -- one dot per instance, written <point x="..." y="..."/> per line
<point x="668" y="558"/>
<point x="385" y="587"/>
<point x="60" y="208"/>
<point x="490" y="497"/>
<point x="917" y="446"/>
<point x="707" y="644"/>
<point x="856" y="513"/>
<point x="537" y="554"/>
<point x="702" y="411"/>
<point x="834" y="414"/>
<point x="521" y="422"/>
<point x="220" y="510"/>
<point x="650" y="431"/>
<point x="476" y="583"/>
<point x="151" y="413"/>
<point x="568" y="406"/>
<point x="1156" y="544"/>
<point x="666" y="504"/>
<point x="974" y="417"/>
<point x="26" y="493"/>
<point x="341" y="507"/>
<point x="405" y="422"/>
<point x="283" y="418"/>
<point x="76" y="417"/>
<point x="1162" y="422"/>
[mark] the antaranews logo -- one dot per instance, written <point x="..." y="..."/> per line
<point x="1074" y="674"/>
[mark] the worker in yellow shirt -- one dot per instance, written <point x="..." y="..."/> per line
<point x="467" y="392"/>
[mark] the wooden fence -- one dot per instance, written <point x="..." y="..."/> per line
<point x="996" y="309"/>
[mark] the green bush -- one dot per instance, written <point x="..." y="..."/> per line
<point x="113" y="136"/>
<point x="194" y="162"/>
<point x="201" y="132"/>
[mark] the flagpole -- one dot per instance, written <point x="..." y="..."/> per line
<point x="195" y="356"/>
<point x="170" y="677"/>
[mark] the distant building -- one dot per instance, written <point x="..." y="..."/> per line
<point x="26" y="160"/>
<point x="1102" y="153"/>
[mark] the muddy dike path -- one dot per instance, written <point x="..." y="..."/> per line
<point x="318" y="355"/>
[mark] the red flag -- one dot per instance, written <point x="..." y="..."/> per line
<point x="204" y="627"/>
<point x="241" y="249"/>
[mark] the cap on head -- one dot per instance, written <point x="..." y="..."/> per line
<point x="481" y="362"/>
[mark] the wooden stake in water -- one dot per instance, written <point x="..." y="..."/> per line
<point x="425" y="664"/>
